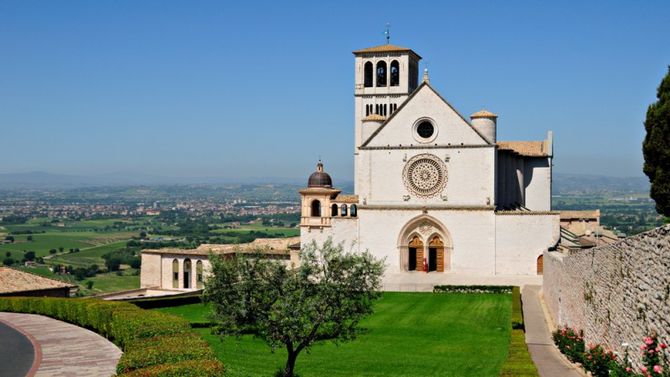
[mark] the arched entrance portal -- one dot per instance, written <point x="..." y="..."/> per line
<point x="540" y="264"/>
<point x="424" y="245"/>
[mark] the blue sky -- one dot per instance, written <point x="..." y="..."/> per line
<point x="262" y="89"/>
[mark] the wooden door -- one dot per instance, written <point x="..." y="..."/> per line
<point x="540" y="264"/>
<point x="416" y="254"/>
<point x="438" y="245"/>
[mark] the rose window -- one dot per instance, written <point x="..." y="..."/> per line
<point x="425" y="175"/>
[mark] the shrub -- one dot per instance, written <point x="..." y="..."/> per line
<point x="147" y="338"/>
<point x="168" y="349"/>
<point x="191" y="368"/>
<point x="570" y="343"/>
<point x="598" y="361"/>
<point x="472" y="289"/>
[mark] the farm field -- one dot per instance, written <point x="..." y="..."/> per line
<point x="410" y="334"/>
<point x="43" y="242"/>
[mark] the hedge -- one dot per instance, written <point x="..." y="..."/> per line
<point x="149" y="339"/>
<point x="472" y="289"/>
<point x="519" y="362"/>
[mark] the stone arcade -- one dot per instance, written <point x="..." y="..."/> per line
<point x="434" y="192"/>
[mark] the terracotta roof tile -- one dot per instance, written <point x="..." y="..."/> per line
<point x="12" y="281"/>
<point x="265" y="245"/>
<point x="385" y="48"/>
<point x="580" y="214"/>
<point x="524" y="148"/>
<point x="346" y="199"/>
<point x="483" y="113"/>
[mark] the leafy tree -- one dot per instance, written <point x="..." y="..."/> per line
<point x="8" y="261"/>
<point x="113" y="264"/>
<point x="656" y="147"/>
<point x="10" y="239"/>
<point x="29" y="255"/>
<point x="53" y="251"/>
<point x="8" y="254"/>
<point x="29" y="238"/>
<point x="89" y="284"/>
<point x="60" y="249"/>
<point x="143" y="235"/>
<point x="324" y="298"/>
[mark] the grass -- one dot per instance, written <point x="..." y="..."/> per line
<point x="111" y="282"/>
<point x="43" y="242"/>
<point x="410" y="334"/>
<point x="88" y="256"/>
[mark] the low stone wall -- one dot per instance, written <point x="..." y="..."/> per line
<point x="616" y="293"/>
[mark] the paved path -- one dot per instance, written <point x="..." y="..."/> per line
<point x="547" y="358"/>
<point x="16" y="352"/>
<point x="66" y="350"/>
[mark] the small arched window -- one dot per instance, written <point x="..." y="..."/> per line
<point x="316" y="208"/>
<point x="343" y="209"/>
<point x="333" y="210"/>
<point x="367" y="110"/>
<point x="381" y="73"/>
<point x="199" y="278"/>
<point x="353" y="210"/>
<point x="175" y="274"/>
<point x="395" y="73"/>
<point x="367" y="73"/>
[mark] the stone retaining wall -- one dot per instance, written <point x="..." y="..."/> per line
<point x="616" y="293"/>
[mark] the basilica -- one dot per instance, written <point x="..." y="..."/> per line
<point x="435" y="193"/>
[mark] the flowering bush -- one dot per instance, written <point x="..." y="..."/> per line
<point x="598" y="361"/>
<point x="654" y="357"/>
<point x="570" y="343"/>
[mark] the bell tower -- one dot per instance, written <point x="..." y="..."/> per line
<point x="384" y="77"/>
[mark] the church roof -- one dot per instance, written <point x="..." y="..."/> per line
<point x="525" y="148"/>
<point x="13" y="281"/>
<point x="483" y="113"/>
<point x="385" y="48"/>
<point x="346" y="199"/>
<point x="374" y="118"/>
<point x="264" y="245"/>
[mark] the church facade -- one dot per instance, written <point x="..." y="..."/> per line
<point x="435" y="193"/>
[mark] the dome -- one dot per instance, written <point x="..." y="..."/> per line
<point x="320" y="178"/>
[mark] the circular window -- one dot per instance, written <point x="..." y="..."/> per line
<point x="425" y="175"/>
<point x="425" y="129"/>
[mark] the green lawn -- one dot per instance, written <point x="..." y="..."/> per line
<point x="410" y="334"/>
<point x="111" y="282"/>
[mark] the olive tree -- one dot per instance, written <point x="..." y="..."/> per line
<point x="324" y="298"/>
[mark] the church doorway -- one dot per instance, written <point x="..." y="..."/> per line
<point x="415" y="254"/>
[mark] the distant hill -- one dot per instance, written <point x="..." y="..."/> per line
<point x="565" y="184"/>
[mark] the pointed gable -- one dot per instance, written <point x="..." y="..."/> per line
<point x="425" y="103"/>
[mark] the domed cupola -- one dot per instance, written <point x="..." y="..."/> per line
<point x="320" y="178"/>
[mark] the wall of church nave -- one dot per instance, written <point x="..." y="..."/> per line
<point x="150" y="273"/>
<point x="521" y="239"/>
<point x="537" y="179"/>
<point x="168" y="270"/>
<point x="469" y="242"/>
<point x="342" y="231"/>
<point x="469" y="177"/>
<point x="615" y="293"/>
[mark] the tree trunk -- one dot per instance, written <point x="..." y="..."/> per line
<point x="290" y="364"/>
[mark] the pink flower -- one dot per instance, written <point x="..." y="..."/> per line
<point x="658" y="369"/>
<point x="663" y="345"/>
<point x="643" y="347"/>
<point x="628" y="369"/>
<point x="643" y="369"/>
<point x="648" y="340"/>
